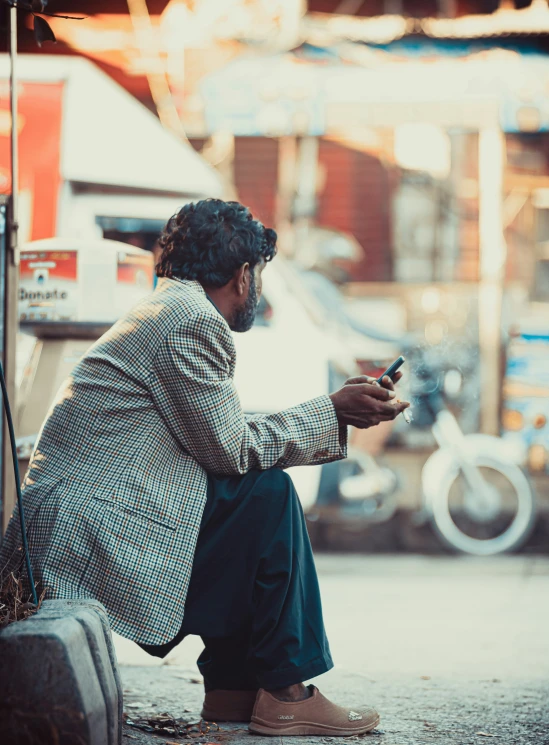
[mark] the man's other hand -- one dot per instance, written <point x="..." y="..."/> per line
<point x="363" y="402"/>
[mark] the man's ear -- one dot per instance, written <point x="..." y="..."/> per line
<point x="241" y="279"/>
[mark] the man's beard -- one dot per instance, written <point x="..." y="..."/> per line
<point x="244" y="317"/>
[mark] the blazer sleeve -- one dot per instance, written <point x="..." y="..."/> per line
<point x="191" y="384"/>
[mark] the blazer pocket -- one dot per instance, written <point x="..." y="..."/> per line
<point x="151" y="500"/>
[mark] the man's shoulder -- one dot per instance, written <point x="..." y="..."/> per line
<point x="192" y="324"/>
<point x="177" y="303"/>
<point x="172" y="305"/>
<point x="183" y="310"/>
<point x="184" y="296"/>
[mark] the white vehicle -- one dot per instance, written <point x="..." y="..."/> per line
<point x="281" y="362"/>
<point x="294" y="353"/>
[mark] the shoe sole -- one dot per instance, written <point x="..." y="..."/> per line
<point x="310" y="729"/>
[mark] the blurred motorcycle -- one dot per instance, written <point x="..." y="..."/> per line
<point x="476" y="497"/>
<point x="474" y="493"/>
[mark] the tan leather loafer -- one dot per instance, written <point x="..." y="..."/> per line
<point x="228" y="706"/>
<point x="313" y="716"/>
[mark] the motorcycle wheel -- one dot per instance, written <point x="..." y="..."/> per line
<point x="515" y="533"/>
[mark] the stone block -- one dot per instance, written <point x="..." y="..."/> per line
<point x="59" y="680"/>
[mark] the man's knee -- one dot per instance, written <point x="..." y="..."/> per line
<point x="271" y="491"/>
<point x="274" y="481"/>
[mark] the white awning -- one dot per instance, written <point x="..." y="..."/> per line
<point x="109" y="138"/>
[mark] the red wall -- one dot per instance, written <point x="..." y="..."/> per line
<point x="40" y="112"/>
<point x="255" y="175"/>
<point x="355" y="199"/>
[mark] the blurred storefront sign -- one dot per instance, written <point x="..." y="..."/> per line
<point x="525" y="417"/>
<point x="290" y="94"/>
<point x="48" y="283"/>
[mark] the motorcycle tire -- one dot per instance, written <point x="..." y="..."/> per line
<point x="510" y="539"/>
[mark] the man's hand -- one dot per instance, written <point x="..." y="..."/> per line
<point x="363" y="402"/>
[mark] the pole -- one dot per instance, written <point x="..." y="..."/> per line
<point x="286" y="180"/>
<point x="491" y="152"/>
<point x="306" y="187"/>
<point x="11" y="277"/>
<point x="14" y="136"/>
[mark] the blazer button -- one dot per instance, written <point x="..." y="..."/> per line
<point x="322" y="454"/>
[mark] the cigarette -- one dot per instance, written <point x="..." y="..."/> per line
<point x="408" y="416"/>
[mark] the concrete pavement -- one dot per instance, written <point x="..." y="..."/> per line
<point x="450" y="650"/>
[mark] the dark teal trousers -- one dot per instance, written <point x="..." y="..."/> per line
<point x="253" y="595"/>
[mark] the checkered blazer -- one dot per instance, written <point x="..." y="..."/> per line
<point x="117" y="483"/>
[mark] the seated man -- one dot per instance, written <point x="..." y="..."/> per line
<point x="151" y="491"/>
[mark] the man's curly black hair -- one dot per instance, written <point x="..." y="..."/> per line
<point x="209" y="240"/>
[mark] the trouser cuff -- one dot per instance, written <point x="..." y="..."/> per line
<point x="270" y="681"/>
<point x="228" y="683"/>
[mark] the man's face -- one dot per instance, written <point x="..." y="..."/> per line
<point x="244" y="316"/>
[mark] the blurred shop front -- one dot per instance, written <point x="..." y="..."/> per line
<point x="433" y="157"/>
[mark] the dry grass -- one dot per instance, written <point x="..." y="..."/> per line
<point x="15" y="603"/>
<point x="165" y="724"/>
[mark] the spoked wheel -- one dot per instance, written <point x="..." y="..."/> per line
<point x="498" y="521"/>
